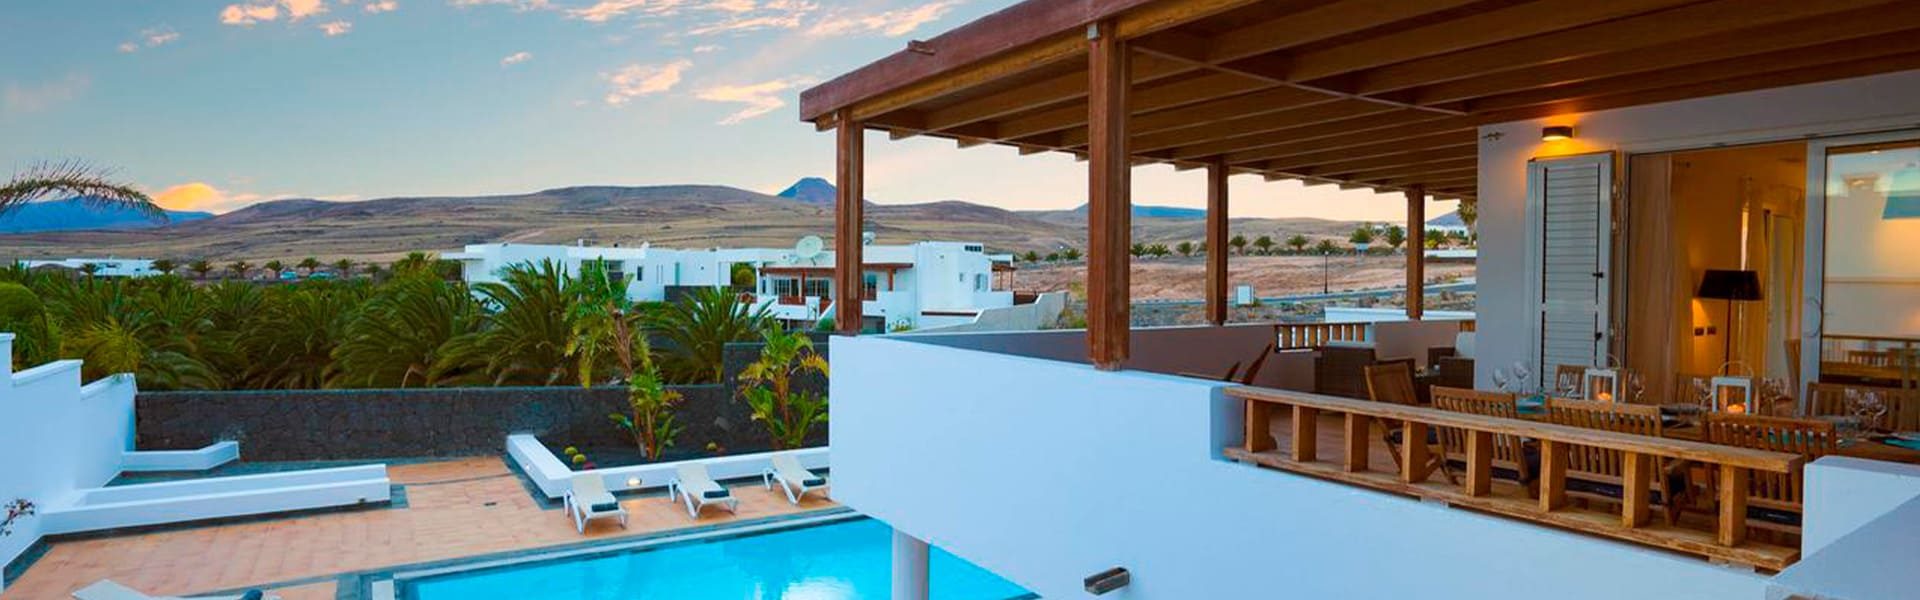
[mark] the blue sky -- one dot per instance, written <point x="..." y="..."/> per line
<point x="214" y="105"/>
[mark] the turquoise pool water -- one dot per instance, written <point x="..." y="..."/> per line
<point x="844" y="560"/>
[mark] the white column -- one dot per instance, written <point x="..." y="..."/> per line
<point x="909" y="567"/>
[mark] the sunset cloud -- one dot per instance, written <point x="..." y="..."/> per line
<point x="759" y="98"/>
<point x="516" y="58"/>
<point x="336" y="28"/>
<point x="257" y="11"/>
<point x="151" y="38"/>
<point x="199" y="196"/>
<point x="20" y="99"/>
<point x="380" y="6"/>
<point x="893" y="23"/>
<point x="520" y="5"/>
<point x="607" y="9"/>
<point x="636" y="80"/>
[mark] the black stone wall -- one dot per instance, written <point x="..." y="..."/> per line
<point x="275" y="425"/>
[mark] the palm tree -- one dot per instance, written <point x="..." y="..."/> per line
<point x="1185" y="248"/>
<point x="1361" y="237"/>
<point x="400" y="336"/>
<point x="94" y="187"/>
<point x="1469" y="212"/>
<point x="414" y="261"/>
<point x="372" y="269"/>
<point x="1297" y="242"/>
<point x="1396" y="236"/>
<point x="695" y="331"/>
<point x="1264" y="243"/>
<point x="292" y="339"/>
<point x="1071" y="253"/>
<point x="1032" y="257"/>
<point x="1325" y="246"/>
<point x="532" y="323"/>
<point x="604" y="324"/>
<point x="310" y="264"/>
<point x="767" y="385"/>
<point x="165" y="266"/>
<point x="200" y="268"/>
<point x="275" y="267"/>
<point x="239" y="268"/>
<point x="343" y="267"/>
<point x="1239" y="243"/>
<point x="89" y="269"/>
<point x="1158" y="250"/>
<point x="1137" y="250"/>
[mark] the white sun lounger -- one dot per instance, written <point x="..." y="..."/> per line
<point x="589" y="500"/>
<point x="107" y="589"/>
<point x="693" y="486"/>
<point x="795" y="480"/>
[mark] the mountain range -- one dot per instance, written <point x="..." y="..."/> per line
<point x="684" y="216"/>
<point x="74" y="214"/>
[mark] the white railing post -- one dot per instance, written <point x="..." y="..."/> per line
<point x="6" y="365"/>
<point x="909" y="567"/>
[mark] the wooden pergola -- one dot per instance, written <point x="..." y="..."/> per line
<point x="1372" y="94"/>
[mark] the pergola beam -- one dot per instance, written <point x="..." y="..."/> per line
<point x="849" y="193"/>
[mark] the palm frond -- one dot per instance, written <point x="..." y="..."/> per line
<point x="94" y="186"/>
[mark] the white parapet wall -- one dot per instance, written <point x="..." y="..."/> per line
<point x="207" y="457"/>
<point x="218" y="497"/>
<point x="554" y="478"/>
<point x="1046" y="472"/>
<point x="57" y="437"/>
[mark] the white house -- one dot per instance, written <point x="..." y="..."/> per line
<point x="651" y="272"/>
<point x="1682" y="188"/>
<point x="914" y="286"/>
<point x="103" y="267"/>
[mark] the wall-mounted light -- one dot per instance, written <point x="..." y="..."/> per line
<point x="1556" y="133"/>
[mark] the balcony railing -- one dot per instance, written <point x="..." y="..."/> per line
<point x="1727" y="541"/>
<point x="1310" y="335"/>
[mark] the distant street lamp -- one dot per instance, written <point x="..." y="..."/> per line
<point x="1326" y="272"/>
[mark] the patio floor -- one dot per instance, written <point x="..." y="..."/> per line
<point x="455" y="508"/>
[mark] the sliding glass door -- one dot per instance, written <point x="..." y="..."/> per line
<point x="1863" y="286"/>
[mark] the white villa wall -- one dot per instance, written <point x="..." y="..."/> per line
<point x="57" y="437"/>
<point x="1875" y="103"/>
<point x="1048" y="471"/>
<point x="1044" y="311"/>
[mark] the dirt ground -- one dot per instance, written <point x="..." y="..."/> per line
<point x="1182" y="278"/>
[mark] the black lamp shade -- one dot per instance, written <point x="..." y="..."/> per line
<point x="1723" y="284"/>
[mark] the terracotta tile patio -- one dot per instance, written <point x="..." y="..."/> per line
<point x="456" y="508"/>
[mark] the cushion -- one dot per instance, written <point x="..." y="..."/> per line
<point x="715" y="494"/>
<point x="604" y="507"/>
<point x="1463" y="344"/>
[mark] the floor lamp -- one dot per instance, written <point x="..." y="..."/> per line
<point x="1729" y="285"/>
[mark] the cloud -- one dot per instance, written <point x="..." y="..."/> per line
<point x="380" y="6"/>
<point x="893" y="23"/>
<point x="20" y="99"/>
<point x="152" y="37"/>
<point x="199" y="196"/>
<point x="336" y="28"/>
<point x="707" y="48"/>
<point x="636" y="80"/>
<point x="604" y="10"/>
<point x="760" y="98"/>
<point x="516" y="58"/>
<point x="256" y="11"/>
<point x="520" y="5"/>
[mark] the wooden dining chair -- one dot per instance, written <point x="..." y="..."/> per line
<point x="1392" y="382"/>
<point x="1774" y="500"/>
<point x="1511" y="459"/>
<point x="1903" y="405"/>
<point x="1596" y="473"/>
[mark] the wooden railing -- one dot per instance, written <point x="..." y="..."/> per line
<point x="1294" y="336"/>
<point x="1642" y="455"/>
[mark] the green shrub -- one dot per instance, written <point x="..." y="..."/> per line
<point x="24" y="315"/>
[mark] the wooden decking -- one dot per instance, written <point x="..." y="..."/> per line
<point x="1696" y="533"/>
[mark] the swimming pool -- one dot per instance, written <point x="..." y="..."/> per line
<point x="838" y="560"/>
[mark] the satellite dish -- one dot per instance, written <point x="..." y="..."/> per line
<point x="866" y="238"/>
<point x="808" y="248"/>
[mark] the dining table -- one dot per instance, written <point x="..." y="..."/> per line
<point x="1683" y="421"/>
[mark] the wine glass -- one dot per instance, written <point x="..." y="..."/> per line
<point x="1500" y="379"/>
<point x="1522" y="376"/>
<point x="1702" y="392"/>
<point x="1566" y="385"/>
<point x="1636" y="385"/>
<point x="1870" y="408"/>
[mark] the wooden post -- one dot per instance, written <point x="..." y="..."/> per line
<point x="1109" y="213"/>
<point x="1357" y="442"/>
<point x="1479" y="463"/>
<point x="1413" y="447"/>
<point x="1217" y="242"/>
<point x="1306" y="433"/>
<point x="1553" y="475"/>
<point x="849" y="198"/>
<point x="1259" y="426"/>
<point x="1636" y="477"/>
<point x="1733" y="505"/>
<point x="1416" y="251"/>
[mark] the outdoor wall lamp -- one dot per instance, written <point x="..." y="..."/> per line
<point x="1106" y="581"/>
<point x="1556" y="133"/>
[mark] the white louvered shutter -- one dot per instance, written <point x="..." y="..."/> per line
<point x="1574" y="197"/>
